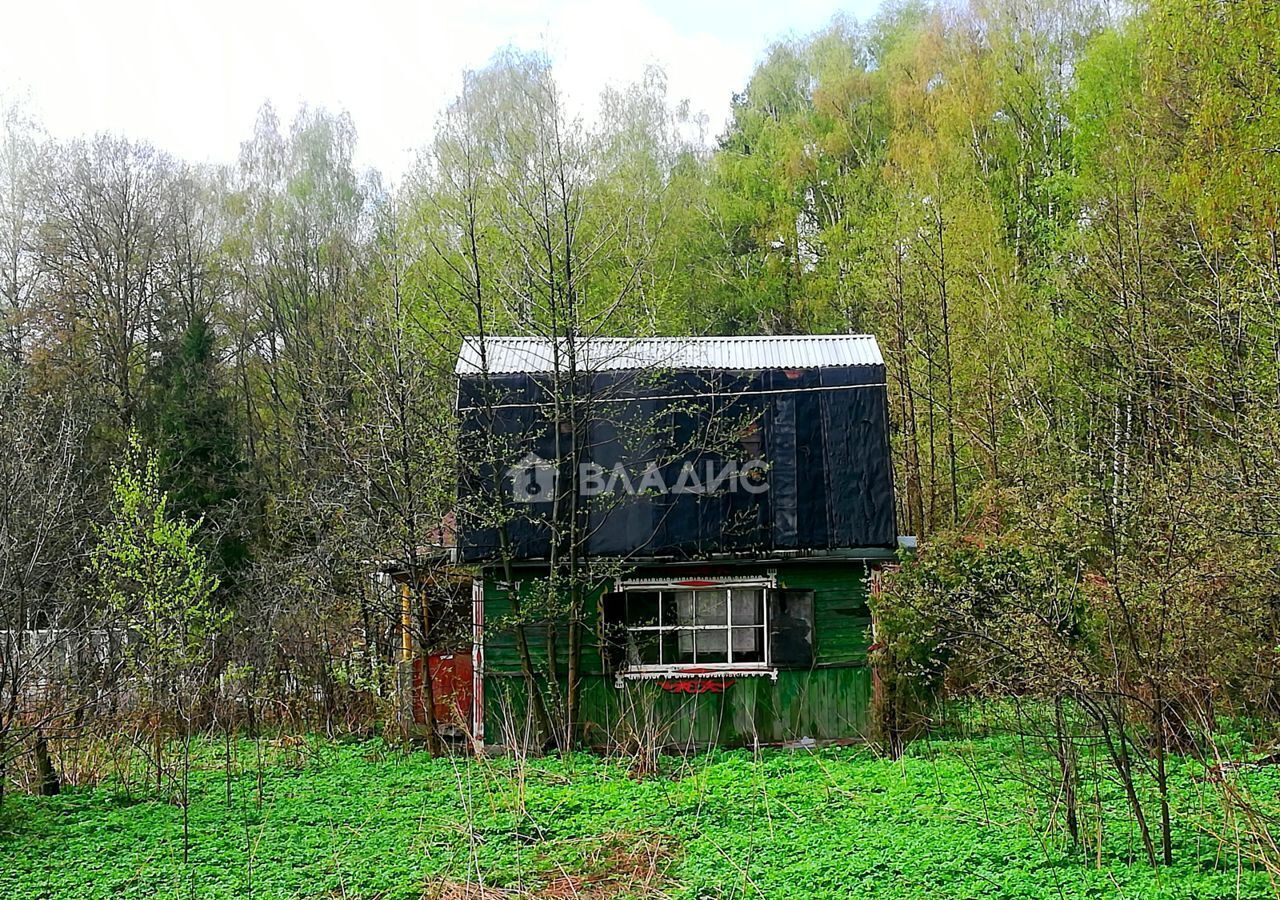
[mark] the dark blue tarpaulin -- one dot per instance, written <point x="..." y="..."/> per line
<point x="682" y="464"/>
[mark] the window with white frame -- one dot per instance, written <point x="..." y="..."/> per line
<point x="713" y="626"/>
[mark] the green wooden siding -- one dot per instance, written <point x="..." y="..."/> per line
<point x="842" y="621"/>
<point x="829" y="701"/>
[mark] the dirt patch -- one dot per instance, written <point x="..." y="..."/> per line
<point x="621" y="865"/>
<point x="457" y="890"/>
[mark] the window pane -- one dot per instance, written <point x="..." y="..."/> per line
<point x="712" y="646"/>
<point x="748" y="606"/>
<point x="683" y="648"/>
<point x="644" y="648"/>
<point x="642" y="608"/>
<point x="669" y="615"/>
<point x="748" y="645"/>
<point x="681" y="604"/>
<point x="712" y="608"/>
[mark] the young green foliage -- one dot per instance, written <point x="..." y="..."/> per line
<point x="151" y="573"/>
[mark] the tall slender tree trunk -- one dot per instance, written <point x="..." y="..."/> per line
<point x="1067" y="770"/>
<point x="944" y="303"/>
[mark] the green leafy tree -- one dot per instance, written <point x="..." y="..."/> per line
<point x="154" y="579"/>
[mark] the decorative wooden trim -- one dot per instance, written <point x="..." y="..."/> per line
<point x="697" y="582"/>
<point x="716" y="671"/>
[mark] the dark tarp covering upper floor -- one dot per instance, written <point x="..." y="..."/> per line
<point x="676" y="462"/>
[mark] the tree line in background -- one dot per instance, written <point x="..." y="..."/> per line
<point x="1059" y="218"/>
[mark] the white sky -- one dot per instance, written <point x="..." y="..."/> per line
<point x="190" y="77"/>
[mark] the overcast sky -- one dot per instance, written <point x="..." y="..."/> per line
<point x="190" y="77"/>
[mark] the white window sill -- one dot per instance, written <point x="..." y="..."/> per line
<point x="650" y="673"/>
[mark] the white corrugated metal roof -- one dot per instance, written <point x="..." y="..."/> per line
<point x="810" y="351"/>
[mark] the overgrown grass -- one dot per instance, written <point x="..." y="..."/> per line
<point x="953" y="819"/>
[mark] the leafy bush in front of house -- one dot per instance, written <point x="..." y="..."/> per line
<point x="1116" y="657"/>
<point x="999" y="616"/>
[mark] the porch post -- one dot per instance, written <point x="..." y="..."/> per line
<point x="477" y="664"/>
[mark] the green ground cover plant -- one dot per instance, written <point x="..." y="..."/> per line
<point x="368" y="820"/>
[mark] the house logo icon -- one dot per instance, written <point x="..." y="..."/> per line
<point x="533" y="480"/>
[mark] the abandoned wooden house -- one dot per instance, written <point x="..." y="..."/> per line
<point x="673" y="537"/>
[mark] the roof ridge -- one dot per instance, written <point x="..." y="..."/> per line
<point x="513" y="353"/>
<point x="688" y="337"/>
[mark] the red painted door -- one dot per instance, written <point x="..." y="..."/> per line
<point x="450" y="687"/>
